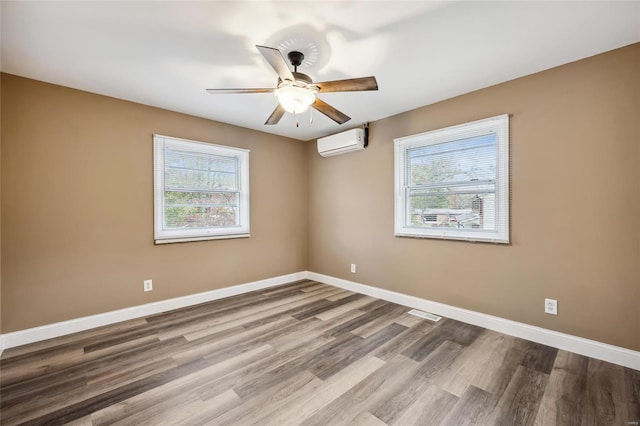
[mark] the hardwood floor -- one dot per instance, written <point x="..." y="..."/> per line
<point x="307" y="353"/>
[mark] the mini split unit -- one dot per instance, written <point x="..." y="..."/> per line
<point x="341" y="143"/>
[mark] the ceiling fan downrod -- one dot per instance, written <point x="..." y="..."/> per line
<point x="296" y="59"/>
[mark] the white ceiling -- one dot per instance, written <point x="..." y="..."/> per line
<point x="166" y="54"/>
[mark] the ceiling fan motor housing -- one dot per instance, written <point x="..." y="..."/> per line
<point x="302" y="77"/>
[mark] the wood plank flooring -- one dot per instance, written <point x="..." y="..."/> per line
<point x="307" y="353"/>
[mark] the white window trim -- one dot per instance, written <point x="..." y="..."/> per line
<point x="164" y="236"/>
<point x="499" y="125"/>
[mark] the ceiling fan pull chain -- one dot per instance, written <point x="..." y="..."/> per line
<point x="297" y="123"/>
<point x="310" y="115"/>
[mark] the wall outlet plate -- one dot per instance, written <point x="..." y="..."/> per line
<point x="148" y="285"/>
<point x="353" y="268"/>
<point x="551" y="306"/>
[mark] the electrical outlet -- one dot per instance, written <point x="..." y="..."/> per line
<point x="148" y="285"/>
<point x="551" y="306"/>
<point x="353" y="268"/>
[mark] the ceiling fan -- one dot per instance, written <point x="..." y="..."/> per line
<point x="296" y="91"/>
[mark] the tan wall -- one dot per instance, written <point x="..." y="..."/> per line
<point x="77" y="207"/>
<point x="575" y="205"/>
<point x="1" y="345"/>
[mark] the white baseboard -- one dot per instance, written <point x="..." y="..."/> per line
<point x="36" y="334"/>
<point x="579" y="345"/>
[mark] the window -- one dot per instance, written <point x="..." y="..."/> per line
<point x="201" y="191"/>
<point x="453" y="183"/>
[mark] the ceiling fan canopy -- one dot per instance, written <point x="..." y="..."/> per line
<point x="296" y="92"/>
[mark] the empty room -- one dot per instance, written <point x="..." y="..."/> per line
<point x="320" y="213"/>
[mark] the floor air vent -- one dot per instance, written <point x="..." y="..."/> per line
<point x="425" y="315"/>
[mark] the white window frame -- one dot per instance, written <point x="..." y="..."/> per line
<point x="163" y="235"/>
<point x="498" y="125"/>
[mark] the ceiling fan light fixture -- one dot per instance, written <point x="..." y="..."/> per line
<point x="295" y="99"/>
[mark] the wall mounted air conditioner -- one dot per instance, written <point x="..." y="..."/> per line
<point x="341" y="143"/>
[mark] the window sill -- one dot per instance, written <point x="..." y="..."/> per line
<point x="207" y="238"/>
<point x="470" y="238"/>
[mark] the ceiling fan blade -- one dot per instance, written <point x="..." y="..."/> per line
<point x="231" y="91"/>
<point x="276" y="60"/>
<point x="329" y="111"/>
<point x="350" y="85"/>
<point x="275" y="116"/>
